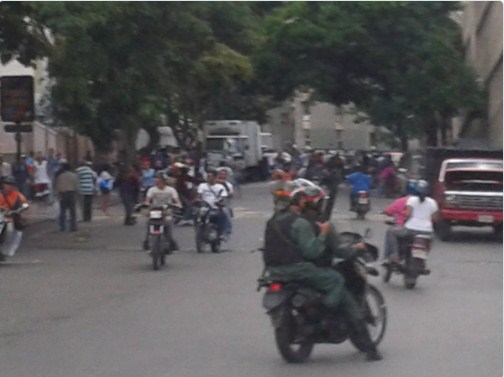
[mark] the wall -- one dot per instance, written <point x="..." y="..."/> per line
<point x="482" y="35"/>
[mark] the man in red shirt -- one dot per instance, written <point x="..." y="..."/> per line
<point x="11" y="199"/>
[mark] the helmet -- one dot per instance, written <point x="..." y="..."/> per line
<point x="8" y="181"/>
<point x="422" y="187"/>
<point x="313" y="197"/>
<point x="411" y="187"/>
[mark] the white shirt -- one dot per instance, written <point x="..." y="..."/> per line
<point x="159" y="197"/>
<point x="421" y="214"/>
<point x="212" y="194"/>
<point x="5" y="169"/>
<point x="40" y="172"/>
<point x="229" y="192"/>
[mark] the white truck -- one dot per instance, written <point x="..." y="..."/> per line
<point x="236" y="142"/>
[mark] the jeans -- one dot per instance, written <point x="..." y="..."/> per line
<point x="67" y="203"/>
<point x="187" y="208"/>
<point x="228" y="228"/>
<point x="87" y="207"/>
<point x="220" y="219"/>
<point x="398" y="236"/>
<point x="129" y="205"/>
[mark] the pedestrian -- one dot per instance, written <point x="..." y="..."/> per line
<point x="21" y="175"/>
<point x="105" y="185"/>
<point x="41" y="180"/>
<point x="53" y="165"/>
<point x="128" y="182"/>
<point x="148" y="175"/>
<point x="66" y="187"/>
<point x="5" y="168"/>
<point x="87" y="183"/>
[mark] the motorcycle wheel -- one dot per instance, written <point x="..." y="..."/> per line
<point x="215" y="247"/>
<point x="416" y="265"/>
<point x="199" y="239"/>
<point x="156" y="253"/>
<point x="291" y="351"/>
<point x="375" y="317"/>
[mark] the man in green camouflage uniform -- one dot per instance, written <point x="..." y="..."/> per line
<point x="292" y="250"/>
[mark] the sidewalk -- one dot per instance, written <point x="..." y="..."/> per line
<point x="40" y="212"/>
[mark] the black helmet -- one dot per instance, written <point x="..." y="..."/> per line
<point x="8" y="181"/>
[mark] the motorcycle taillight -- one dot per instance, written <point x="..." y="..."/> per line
<point x="275" y="287"/>
<point x="363" y="194"/>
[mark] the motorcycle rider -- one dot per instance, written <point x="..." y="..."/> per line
<point x="397" y="210"/>
<point x="421" y="212"/>
<point x="360" y="181"/>
<point x="213" y="193"/>
<point x="12" y="199"/>
<point x="158" y="195"/>
<point x="292" y="250"/>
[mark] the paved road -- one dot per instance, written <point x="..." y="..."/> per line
<point x="88" y="305"/>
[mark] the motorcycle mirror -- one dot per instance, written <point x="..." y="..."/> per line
<point x="368" y="233"/>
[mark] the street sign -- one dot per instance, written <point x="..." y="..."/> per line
<point x="16" y="99"/>
<point x="18" y="128"/>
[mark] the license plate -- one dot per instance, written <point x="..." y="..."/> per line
<point x="487" y="219"/>
<point x="363" y="201"/>
<point x="418" y="253"/>
<point x="156" y="229"/>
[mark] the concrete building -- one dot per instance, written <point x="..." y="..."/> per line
<point x="320" y="125"/>
<point x="482" y="36"/>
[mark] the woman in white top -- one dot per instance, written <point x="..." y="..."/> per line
<point x="40" y="177"/>
<point x="421" y="212"/>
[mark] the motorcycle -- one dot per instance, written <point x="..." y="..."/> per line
<point x="4" y="221"/>
<point x="300" y="320"/>
<point x="159" y="218"/>
<point x="361" y="204"/>
<point x="413" y="254"/>
<point x="206" y="230"/>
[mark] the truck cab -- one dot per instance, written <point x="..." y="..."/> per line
<point x="469" y="193"/>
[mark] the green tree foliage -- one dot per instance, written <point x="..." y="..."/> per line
<point x="122" y="65"/>
<point x="400" y="62"/>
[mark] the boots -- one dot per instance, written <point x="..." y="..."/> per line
<point x="362" y="334"/>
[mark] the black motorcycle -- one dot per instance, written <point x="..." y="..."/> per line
<point x="206" y="230"/>
<point x="301" y="320"/>
<point x="413" y="253"/>
<point x="159" y="244"/>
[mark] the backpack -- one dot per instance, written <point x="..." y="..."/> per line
<point x="280" y="248"/>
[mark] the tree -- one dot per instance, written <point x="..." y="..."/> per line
<point x="401" y="62"/>
<point x="123" y="65"/>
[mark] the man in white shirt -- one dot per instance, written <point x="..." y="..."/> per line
<point x="214" y="194"/>
<point x="421" y="212"/>
<point x="222" y="178"/>
<point x="158" y="195"/>
<point x="5" y="168"/>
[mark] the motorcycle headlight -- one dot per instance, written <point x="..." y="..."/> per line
<point x="156" y="214"/>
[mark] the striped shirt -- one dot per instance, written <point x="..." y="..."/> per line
<point x="87" y="179"/>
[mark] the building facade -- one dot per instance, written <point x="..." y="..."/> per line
<point x="482" y="36"/>
<point x="321" y="125"/>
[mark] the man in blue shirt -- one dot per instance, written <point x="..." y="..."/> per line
<point x="360" y="182"/>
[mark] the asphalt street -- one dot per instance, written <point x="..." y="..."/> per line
<point x="87" y="304"/>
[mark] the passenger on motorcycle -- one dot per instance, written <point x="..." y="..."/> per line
<point x="11" y="199"/>
<point x="292" y="250"/>
<point x="360" y="181"/>
<point x="160" y="195"/>
<point x="222" y="178"/>
<point x="213" y="194"/>
<point x="397" y="210"/>
<point x="420" y="213"/>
